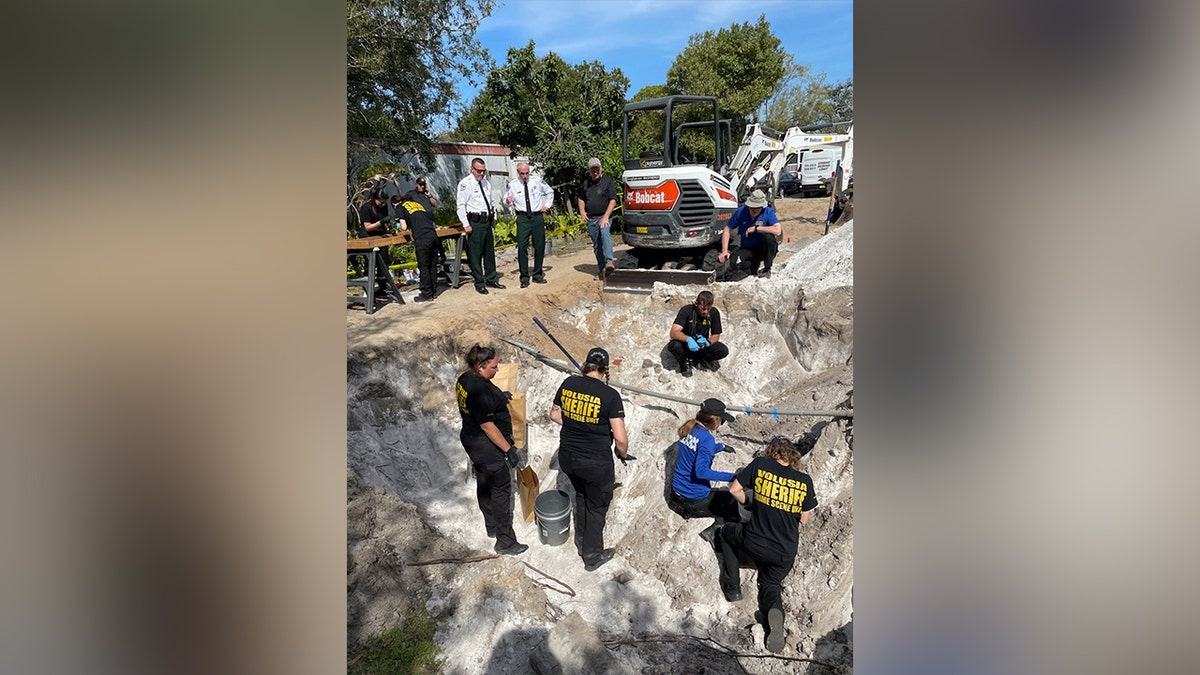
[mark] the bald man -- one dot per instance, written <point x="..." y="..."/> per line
<point x="530" y="197"/>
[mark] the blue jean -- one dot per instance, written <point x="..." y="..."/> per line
<point x="601" y="241"/>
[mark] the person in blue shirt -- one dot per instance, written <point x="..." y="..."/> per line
<point x="758" y="230"/>
<point x="692" y="494"/>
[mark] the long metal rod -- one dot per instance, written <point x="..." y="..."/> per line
<point x="678" y="399"/>
<point x="557" y="343"/>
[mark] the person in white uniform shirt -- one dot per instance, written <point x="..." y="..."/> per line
<point x="477" y="215"/>
<point x="530" y="197"/>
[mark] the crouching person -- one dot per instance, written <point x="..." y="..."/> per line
<point x="696" y="336"/>
<point x="692" y="494"/>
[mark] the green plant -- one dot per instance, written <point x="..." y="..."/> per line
<point x="564" y="225"/>
<point x="385" y="170"/>
<point x="401" y="650"/>
<point x="402" y="253"/>
<point x="505" y="230"/>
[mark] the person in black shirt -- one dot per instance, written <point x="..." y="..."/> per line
<point x="782" y="501"/>
<point x="487" y="437"/>
<point x="597" y="198"/>
<point x="416" y="210"/>
<point x="593" y="419"/>
<point x="373" y="222"/>
<point x="696" y="336"/>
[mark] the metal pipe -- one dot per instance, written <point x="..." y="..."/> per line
<point x="557" y="343"/>
<point x="775" y="412"/>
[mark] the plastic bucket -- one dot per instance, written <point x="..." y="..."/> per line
<point x="552" y="510"/>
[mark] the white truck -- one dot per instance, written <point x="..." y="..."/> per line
<point x="799" y="148"/>
<point x="817" y="170"/>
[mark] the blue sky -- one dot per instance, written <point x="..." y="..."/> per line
<point x="643" y="37"/>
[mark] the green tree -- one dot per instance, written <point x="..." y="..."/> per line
<point x="557" y="113"/>
<point x="805" y="99"/>
<point x="404" y="65"/>
<point x="740" y="65"/>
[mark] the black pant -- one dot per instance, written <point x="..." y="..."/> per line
<point x="427" y="246"/>
<point x="771" y="571"/>
<point x="531" y="227"/>
<point x="714" y="352"/>
<point x="481" y="252"/>
<point x="593" y="483"/>
<point x="493" y="490"/>
<point x="749" y="258"/>
<point x="718" y="504"/>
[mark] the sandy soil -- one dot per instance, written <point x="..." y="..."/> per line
<point x="410" y="497"/>
<point x="570" y="271"/>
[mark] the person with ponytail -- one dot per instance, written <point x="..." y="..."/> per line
<point x="487" y="437"/>
<point x="593" y="427"/>
<point x="692" y="493"/>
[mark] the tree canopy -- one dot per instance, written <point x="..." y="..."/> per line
<point x="804" y="99"/>
<point x="404" y="62"/>
<point x="740" y="65"/>
<point x="557" y="113"/>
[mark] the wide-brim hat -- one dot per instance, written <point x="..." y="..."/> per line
<point x="756" y="200"/>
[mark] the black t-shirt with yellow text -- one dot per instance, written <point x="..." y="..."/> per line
<point x="480" y="401"/>
<point x="781" y="494"/>
<point x="587" y="405"/>
<point x="418" y="213"/>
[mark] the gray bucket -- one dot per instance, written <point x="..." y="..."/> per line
<point x="552" y="509"/>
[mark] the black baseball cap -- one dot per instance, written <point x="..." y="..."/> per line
<point x="716" y="408"/>
<point x="421" y="180"/>
<point x="598" y="356"/>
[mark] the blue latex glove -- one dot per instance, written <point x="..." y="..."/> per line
<point x="692" y="344"/>
<point x="702" y="341"/>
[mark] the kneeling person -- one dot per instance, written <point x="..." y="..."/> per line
<point x="696" y="335"/>
<point x="758" y="228"/>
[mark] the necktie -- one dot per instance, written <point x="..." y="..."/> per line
<point x="485" y="199"/>
<point x="528" y="204"/>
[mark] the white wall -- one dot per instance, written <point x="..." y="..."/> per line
<point x="449" y="169"/>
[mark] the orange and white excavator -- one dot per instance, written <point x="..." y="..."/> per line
<point x="675" y="206"/>
<point x="678" y="195"/>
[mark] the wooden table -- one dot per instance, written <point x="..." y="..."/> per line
<point x="370" y="249"/>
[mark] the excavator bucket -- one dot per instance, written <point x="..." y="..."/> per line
<point x="642" y="280"/>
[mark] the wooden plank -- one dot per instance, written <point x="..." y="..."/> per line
<point x="368" y="243"/>
<point x="402" y="237"/>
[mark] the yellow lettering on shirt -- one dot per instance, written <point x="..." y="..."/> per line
<point x="785" y="494"/>
<point x="580" y="407"/>
<point x="461" y="394"/>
